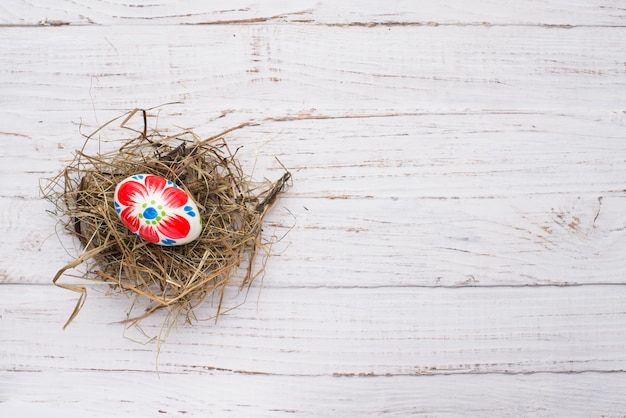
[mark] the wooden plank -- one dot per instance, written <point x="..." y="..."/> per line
<point x="472" y="154"/>
<point x="267" y="70"/>
<point x="350" y="331"/>
<point x="528" y="242"/>
<point x="221" y="393"/>
<point x="347" y="12"/>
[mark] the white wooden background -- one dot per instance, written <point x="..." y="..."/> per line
<point x="456" y="223"/>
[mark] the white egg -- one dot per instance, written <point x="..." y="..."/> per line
<point x="157" y="210"/>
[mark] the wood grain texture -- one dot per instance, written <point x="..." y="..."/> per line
<point x="338" y="332"/>
<point x="231" y="394"/>
<point x="346" y="12"/>
<point x="451" y="245"/>
<point x="363" y="70"/>
<point x="328" y="350"/>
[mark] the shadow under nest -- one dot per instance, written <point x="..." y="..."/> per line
<point x="179" y="278"/>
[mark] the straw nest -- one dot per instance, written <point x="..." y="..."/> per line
<point x="178" y="278"/>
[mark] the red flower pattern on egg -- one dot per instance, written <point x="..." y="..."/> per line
<point x="147" y="208"/>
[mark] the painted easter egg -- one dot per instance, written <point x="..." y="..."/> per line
<point x="157" y="210"/>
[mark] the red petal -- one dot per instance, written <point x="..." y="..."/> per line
<point x="155" y="184"/>
<point x="174" y="198"/>
<point x="130" y="193"/>
<point x="149" y="233"/>
<point x="174" y="227"/>
<point x="129" y="219"/>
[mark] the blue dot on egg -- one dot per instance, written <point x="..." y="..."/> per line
<point x="189" y="211"/>
<point x="150" y="213"/>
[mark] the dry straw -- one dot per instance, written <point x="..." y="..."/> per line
<point x="178" y="278"/>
